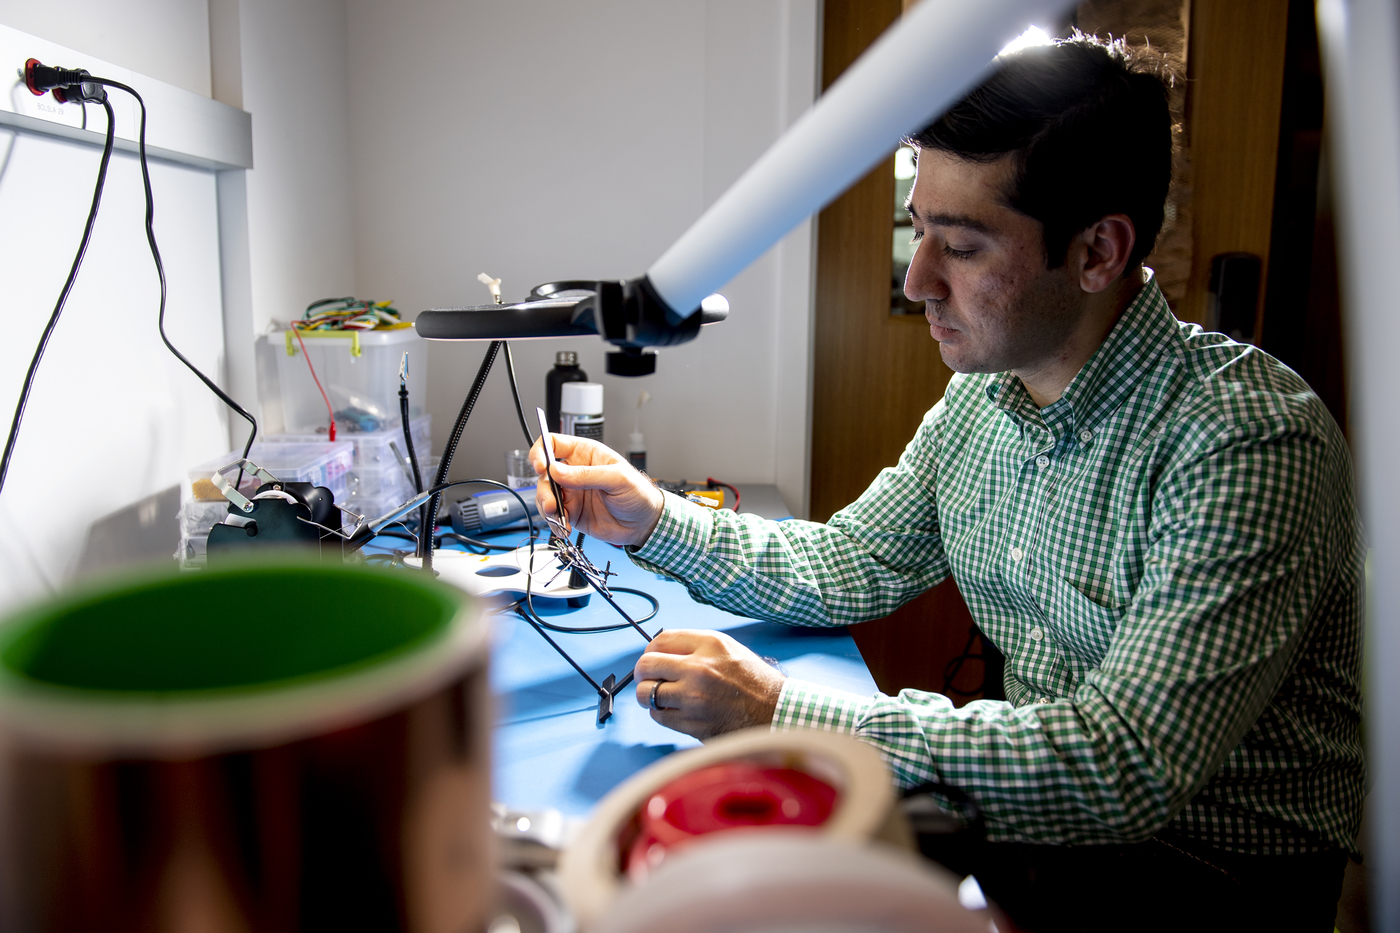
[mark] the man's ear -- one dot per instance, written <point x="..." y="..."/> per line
<point x="1104" y="250"/>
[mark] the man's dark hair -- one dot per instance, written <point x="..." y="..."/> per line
<point x="1090" y="130"/>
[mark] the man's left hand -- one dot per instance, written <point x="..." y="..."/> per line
<point x="706" y="683"/>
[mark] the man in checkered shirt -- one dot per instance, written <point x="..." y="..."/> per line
<point x="1154" y="524"/>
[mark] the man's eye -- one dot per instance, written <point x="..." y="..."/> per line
<point x="957" y="253"/>
<point x="918" y="235"/>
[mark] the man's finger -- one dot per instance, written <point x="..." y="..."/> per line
<point x="653" y="694"/>
<point x="681" y="641"/>
<point x="604" y="477"/>
<point x="544" y="500"/>
<point x="657" y="666"/>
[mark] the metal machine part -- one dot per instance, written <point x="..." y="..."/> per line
<point x="279" y="514"/>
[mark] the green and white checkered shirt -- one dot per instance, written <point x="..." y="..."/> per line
<point x="1171" y="560"/>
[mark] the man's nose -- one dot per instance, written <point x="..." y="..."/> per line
<point x="925" y="280"/>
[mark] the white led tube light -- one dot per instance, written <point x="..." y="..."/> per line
<point x="939" y="51"/>
<point x="1361" y="56"/>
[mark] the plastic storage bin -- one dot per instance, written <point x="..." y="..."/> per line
<point x="360" y="373"/>
<point x="372" y="448"/>
<point x="376" y="490"/>
<point x="377" y="481"/>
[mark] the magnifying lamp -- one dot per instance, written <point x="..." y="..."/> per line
<point x="938" y="52"/>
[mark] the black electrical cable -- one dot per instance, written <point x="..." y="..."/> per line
<point x="62" y="296"/>
<point x="954" y="667"/>
<point x="515" y="394"/>
<point x="408" y="442"/>
<point x="425" y="549"/>
<point x="430" y="521"/>
<point x="592" y="629"/>
<point x="472" y="542"/>
<point x="160" y="271"/>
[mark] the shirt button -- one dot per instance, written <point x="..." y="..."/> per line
<point x="1037" y="633"/>
<point x="1017" y="554"/>
<point x="1042" y="461"/>
<point x="1043" y="700"/>
<point x="1086" y="435"/>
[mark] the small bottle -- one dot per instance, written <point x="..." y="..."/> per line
<point x="581" y="410"/>
<point x="565" y="370"/>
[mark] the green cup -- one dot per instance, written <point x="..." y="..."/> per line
<point x="259" y="747"/>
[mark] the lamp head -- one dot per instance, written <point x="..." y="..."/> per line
<point x="629" y="315"/>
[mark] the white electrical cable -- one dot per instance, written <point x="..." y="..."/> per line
<point x="915" y="71"/>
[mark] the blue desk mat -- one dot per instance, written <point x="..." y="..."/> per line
<point x="548" y="750"/>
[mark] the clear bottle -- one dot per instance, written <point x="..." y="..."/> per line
<point x="565" y="370"/>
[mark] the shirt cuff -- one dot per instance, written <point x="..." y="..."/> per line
<point x="805" y="705"/>
<point x="679" y="541"/>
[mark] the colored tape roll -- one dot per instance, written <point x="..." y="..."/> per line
<point x="735" y="785"/>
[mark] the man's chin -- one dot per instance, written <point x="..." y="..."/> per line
<point x="957" y="362"/>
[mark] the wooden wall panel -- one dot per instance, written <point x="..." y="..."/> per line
<point x="875" y="376"/>
<point x="1236" y="67"/>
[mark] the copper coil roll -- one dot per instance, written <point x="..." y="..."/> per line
<point x="267" y="748"/>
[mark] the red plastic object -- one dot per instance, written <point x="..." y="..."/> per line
<point x="29" y="77"/>
<point x="724" y="797"/>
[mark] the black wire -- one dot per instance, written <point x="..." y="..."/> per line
<point x="62" y="296"/>
<point x="515" y="394"/>
<point x="160" y="270"/>
<point x="519" y="605"/>
<point x="408" y="442"/>
<point x="472" y="542"/>
<point x="953" y="668"/>
<point x="425" y="549"/>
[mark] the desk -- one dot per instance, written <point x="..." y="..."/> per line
<point x="550" y="752"/>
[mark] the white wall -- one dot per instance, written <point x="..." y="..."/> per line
<point x="299" y="199"/>
<point x="256" y="245"/>
<point x="165" y="39"/>
<point x="113" y="418"/>
<point x="534" y="140"/>
<point x="550" y="139"/>
<point x="286" y="223"/>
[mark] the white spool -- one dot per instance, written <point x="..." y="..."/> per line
<point x="786" y="880"/>
<point x="865" y="810"/>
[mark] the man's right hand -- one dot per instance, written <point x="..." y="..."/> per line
<point x="604" y="495"/>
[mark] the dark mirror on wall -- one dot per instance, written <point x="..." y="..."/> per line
<point x="903" y="245"/>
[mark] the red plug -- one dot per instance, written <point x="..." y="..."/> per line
<point x="29" y="79"/>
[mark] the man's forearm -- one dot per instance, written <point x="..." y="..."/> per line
<point x="796" y="572"/>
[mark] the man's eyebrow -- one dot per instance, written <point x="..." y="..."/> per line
<point x="949" y="220"/>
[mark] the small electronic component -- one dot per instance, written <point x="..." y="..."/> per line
<point x="710" y="493"/>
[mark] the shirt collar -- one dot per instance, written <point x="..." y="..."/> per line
<point x="1105" y="380"/>
<point x="1123" y="359"/>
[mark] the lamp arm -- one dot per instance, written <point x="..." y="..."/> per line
<point x="916" y="70"/>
